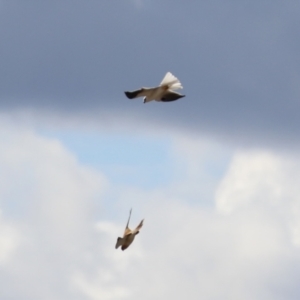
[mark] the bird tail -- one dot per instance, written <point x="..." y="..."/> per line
<point x="171" y="81"/>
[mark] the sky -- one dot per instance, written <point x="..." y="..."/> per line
<point x="215" y="175"/>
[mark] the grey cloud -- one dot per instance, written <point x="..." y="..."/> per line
<point x="238" y="62"/>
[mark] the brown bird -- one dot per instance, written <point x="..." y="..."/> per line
<point x="129" y="235"/>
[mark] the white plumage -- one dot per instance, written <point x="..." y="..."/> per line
<point x="163" y="93"/>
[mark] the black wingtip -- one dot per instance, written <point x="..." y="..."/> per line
<point x="131" y="95"/>
<point x="172" y="97"/>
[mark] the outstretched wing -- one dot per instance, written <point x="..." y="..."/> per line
<point x="143" y="92"/>
<point x="171" y="96"/>
<point x="134" y="94"/>
<point x="127" y="230"/>
<point x="136" y="230"/>
<point x="171" y="81"/>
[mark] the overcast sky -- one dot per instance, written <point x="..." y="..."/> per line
<point x="238" y="61"/>
<point x="215" y="175"/>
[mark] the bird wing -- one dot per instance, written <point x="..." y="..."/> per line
<point x="143" y="92"/>
<point x="138" y="227"/>
<point x="119" y="242"/>
<point x="127" y="230"/>
<point x="169" y="96"/>
<point x="134" y="94"/>
<point x="171" y="81"/>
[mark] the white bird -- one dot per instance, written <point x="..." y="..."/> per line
<point x="129" y="235"/>
<point x="164" y="92"/>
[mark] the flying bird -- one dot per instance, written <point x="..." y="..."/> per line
<point x="129" y="235"/>
<point x="163" y="93"/>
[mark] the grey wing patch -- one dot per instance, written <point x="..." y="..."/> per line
<point x="134" y="94"/>
<point x="171" y="96"/>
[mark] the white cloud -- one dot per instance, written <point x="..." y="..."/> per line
<point x="54" y="245"/>
<point x="49" y="199"/>
<point x="263" y="180"/>
<point x="254" y="176"/>
<point x="242" y="248"/>
<point x="9" y="241"/>
<point x="199" y="164"/>
<point x="189" y="251"/>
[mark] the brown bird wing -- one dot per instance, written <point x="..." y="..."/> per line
<point x="127" y="230"/>
<point x="136" y="230"/>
